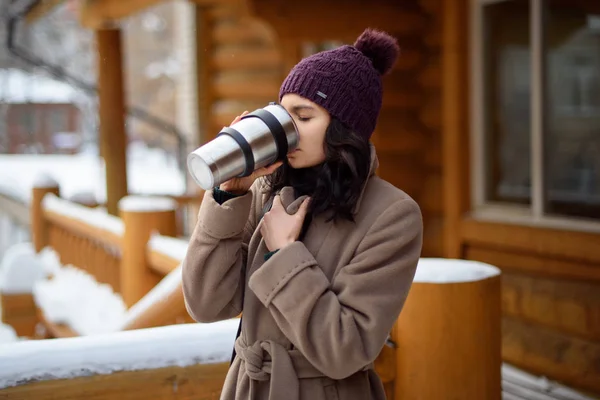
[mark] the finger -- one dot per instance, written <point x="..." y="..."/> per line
<point x="303" y="209"/>
<point x="245" y="113"/>
<point x="273" y="167"/>
<point x="277" y="202"/>
<point x="236" y="120"/>
<point x="267" y="170"/>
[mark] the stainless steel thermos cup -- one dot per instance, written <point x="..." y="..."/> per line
<point x="259" y="139"/>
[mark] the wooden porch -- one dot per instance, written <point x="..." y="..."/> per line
<point x="244" y="49"/>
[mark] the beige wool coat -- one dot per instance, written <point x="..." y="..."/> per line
<point x="318" y="312"/>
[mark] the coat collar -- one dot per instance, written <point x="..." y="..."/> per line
<point x="291" y="203"/>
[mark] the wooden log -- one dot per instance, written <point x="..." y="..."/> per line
<point x="454" y="120"/>
<point x="198" y="382"/>
<point x="547" y="352"/>
<point x="39" y="224"/>
<point x="19" y="311"/>
<point x="449" y="333"/>
<point x="111" y="106"/>
<point x="142" y="216"/>
<point x="244" y="58"/>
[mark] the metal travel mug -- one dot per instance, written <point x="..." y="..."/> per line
<point x="259" y="139"/>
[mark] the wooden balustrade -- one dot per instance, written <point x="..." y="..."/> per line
<point x="92" y="248"/>
<point x="148" y="275"/>
<point x="114" y="250"/>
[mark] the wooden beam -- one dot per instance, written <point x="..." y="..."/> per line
<point x="40" y="9"/>
<point x="455" y="146"/>
<point x="557" y="244"/>
<point x="335" y="18"/>
<point x="199" y="382"/>
<point x="111" y="99"/>
<point x="96" y="14"/>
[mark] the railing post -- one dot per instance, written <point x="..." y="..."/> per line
<point x="142" y="216"/>
<point x="39" y="227"/>
<point x="449" y="333"/>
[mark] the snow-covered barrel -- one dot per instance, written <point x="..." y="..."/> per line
<point x="449" y="333"/>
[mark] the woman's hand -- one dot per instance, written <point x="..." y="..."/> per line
<point x="240" y="186"/>
<point x="278" y="228"/>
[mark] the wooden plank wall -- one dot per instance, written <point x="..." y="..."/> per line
<point x="551" y="277"/>
<point x="408" y="136"/>
<point x="550" y="297"/>
<point x="242" y="67"/>
<point x="551" y="283"/>
<point x="246" y="61"/>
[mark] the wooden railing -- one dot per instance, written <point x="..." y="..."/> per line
<point x="14" y="219"/>
<point x="446" y="341"/>
<point x="95" y="248"/>
<point x="132" y="253"/>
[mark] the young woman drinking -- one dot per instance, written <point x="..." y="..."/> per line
<point x="318" y="252"/>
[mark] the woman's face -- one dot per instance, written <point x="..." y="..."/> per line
<point x="312" y="121"/>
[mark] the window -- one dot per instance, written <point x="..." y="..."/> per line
<point x="536" y="107"/>
<point x="57" y="119"/>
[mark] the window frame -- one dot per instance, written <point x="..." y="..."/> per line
<point x="481" y="208"/>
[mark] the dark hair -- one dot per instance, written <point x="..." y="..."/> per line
<point x="335" y="185"/>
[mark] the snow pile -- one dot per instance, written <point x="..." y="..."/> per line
<point x="93" y="216"/>
<point x="12" y="191"/>
<point x="7" y="334"/>
<point x="147" y="203"/>
<point x="177" y="345"/>
<point x="441" y="270"/>
<point x="21" y="267"/>
<point x="74" y="298"/>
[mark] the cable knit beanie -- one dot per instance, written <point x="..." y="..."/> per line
<point x="347" y="81"/>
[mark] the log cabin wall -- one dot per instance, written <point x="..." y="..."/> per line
<point x="551" y="276"/>
<point x="240" y="66"/>
<point x="551" y="300"/>
<point x="550" y="297"/>
<point x="248" y="56"/>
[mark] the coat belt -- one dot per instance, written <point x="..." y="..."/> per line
<point x="266" y="359"/>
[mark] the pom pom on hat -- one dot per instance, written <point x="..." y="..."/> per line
<point x="381" y="48"/>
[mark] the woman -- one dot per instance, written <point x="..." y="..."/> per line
<point x="317" y="252"/>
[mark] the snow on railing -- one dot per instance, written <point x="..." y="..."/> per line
<point x="98" y="218"/>
<point x="178" y="345"/>
<point x="14" y="217"/>
<point x="135" y="254"/>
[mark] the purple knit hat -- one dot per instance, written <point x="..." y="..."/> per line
<point x="347" y="81"/>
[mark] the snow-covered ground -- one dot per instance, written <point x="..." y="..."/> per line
<point x="149" y="171"/>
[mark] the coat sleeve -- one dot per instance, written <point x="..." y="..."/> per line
<point x="214" y="266"/>
<point x="341" y="326"/>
